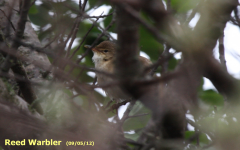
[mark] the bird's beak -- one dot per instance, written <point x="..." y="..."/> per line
<point x="89" y="46"/>
<point x="95" y="50"/>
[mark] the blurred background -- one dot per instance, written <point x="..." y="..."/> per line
<point x="72" y="101"/>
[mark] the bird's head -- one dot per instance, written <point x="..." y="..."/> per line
<point x="105" y="51"/>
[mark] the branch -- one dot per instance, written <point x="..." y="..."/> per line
<point x="139" y="115"/>
<point x="9" y="20"/>
<point x="101" y="16"/>
<point x="126" y="113"/>
<point x="83" y="39"/>
<point x="126" y="64"/>
<point x="222" y="51"/>
<point x="96" y="40"/>
<point x="25" y="87"/>
<point x="116" y="106"/>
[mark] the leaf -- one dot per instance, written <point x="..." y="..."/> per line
<point x="183" y="5"/>
<point x="211" y="97"/>
<point x="149" y="45"/>
<point x="63" y="7"/>
<point x="92" y="3"/>
<point x="42" y="17"/>
<point x="97" y="3"/>
<point x="33" y="10"/>
<point x="147" y="18"/>
<point x="172" y="63"/>
<point x="131" y="136"/>
<point x="202" y="137"/>
<point x="189" y="134"/>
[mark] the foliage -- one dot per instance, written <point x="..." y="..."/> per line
<point x="51" y="15"/>
<point x="59" y="22"/>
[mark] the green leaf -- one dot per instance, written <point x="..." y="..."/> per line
<point x="172" y="63"/>
<point x="211" y="97"/>
<point x="131" y="136"/>
<point x="202" y="137"/>
<point x="33" y="10"/>
<point x="183" y="5"/>
<point x="147" y="18"/>
<point x="42" y="17"/>
<point x="63" y="7"/>
<point x="92" y="3"/>
<point x="97" y="3"/>
<point x="149" y="45"/>
<point x="189" y="134"/>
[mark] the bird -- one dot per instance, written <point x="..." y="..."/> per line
<point x="104" y="55"/>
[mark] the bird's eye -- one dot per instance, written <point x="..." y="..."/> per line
<point x="105" y="51"/>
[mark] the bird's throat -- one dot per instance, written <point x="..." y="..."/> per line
<point x="100" y="62"/>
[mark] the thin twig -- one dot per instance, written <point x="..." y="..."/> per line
<point x="96" y="40"/>
<point x="71" y="32"/>
<point x="102" y="16"/>
<point x="84" y="15"/>
<point x="236" y="15"/>
<point x="159" y="36"/>
<point x="84" y="5"/>
<point x="104" y="31"/>
<point x="108" y="104"/>
<point x="150" y="28"/>
<point x="116" y="106"/>
<point x="83" y="39"/>
<point x="9" y="20"/>
<point x="106" y="85"/>
<point x="160" y="61"/>
<point x="128" y="110"/>
<point x="50" y="42"/>
<point x="74" y="35"/>
<point x="222" y="51"/>
<point x="80" y="4"/>
<point x="166" y="56"/>
<point x="193" y="13"/>
<point x="234" y="21"/>
<point x="33" y="2"/>
<point x="140" y="115"/>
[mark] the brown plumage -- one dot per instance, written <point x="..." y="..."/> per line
<point x="103" y="58"/>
